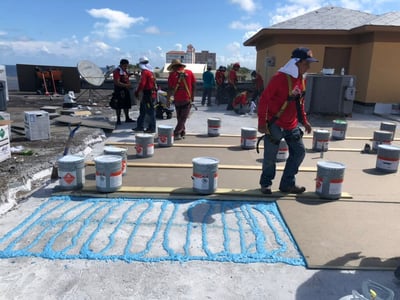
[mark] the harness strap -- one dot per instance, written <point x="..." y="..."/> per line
<point x="184" y="83"/>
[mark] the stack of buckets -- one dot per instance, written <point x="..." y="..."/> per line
<point x="108" y="173"/>
<point x="109" y="150"/>
<point x="387" y="155"/>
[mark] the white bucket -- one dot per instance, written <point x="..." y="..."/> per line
<point x="248" y="138"/>
<point x="144" y="145"/>
<point x="389" y="126"/>
<point x="329" y="179"/>
<point x="71" y="171"/>
<point x="205" y="175"/>
<point x="320" y="140"/>
<point x="214" y="124"/>
<point x="339" y="129"/>
<point x="165" y="135"/>
<point x="108" y="173"/>
<point x="381" y="137"/>
<point x="118" y="151"/>
<point x="283" y="151"/>
<point x="387" y="158"/>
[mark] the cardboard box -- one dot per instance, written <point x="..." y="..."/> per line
<point x="5" y="151"/>
<point x="37" y="125"/>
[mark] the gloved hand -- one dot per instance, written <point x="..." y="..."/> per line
<point x="307" y="127"/>
<point x="262" y="129"/>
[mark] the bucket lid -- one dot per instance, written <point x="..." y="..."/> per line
<point x="114" y="149"/>
<point x="214" y="119"/>
<point x="107" y="158"/>
<point x="321" y="130"/>
<point x="144" y="135"/>
<point x="388" y="147"/>
<point x="331" y="165"/>
<point x="249" y="128"/>
<point x="165" y="126"/>
<point x="383" y="132"/>
<point x="339" y="121"/>
<point x="205" y="160"/>
<point x="71" y="158"/>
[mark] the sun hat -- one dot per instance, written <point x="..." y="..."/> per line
<point x="143" y="60"/>
<point x="303" y="54"/>
<point x="175" y="63"/>
<point x="236" y="65"/>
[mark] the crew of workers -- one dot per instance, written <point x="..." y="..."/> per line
<point x="281" y="113"/>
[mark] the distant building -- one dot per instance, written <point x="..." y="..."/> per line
<point x="191" y="57"/>
<point x="205" y="57"/>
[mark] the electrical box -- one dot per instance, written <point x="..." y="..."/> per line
<point x="330" y="94"/>
<point x="270" y="61"/>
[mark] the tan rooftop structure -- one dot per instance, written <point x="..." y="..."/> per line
<point x="363" y="44"/>
<point x="197" y="69"/>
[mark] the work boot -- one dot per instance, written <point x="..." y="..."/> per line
<point x="293" y="189"/>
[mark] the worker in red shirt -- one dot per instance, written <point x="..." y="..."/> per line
<point x="121" y="91"/>
<point x="220" y="81"/>
<point x="280" y="113"/>
<point x="232" y="85"/>
<point x="182" y="86"/>
<point x="258" y="86"/>
<point x="147" y="85"/>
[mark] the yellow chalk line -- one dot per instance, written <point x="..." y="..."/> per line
<point x="222" y="146"/>
<point x="220" y="167"/>
<point x="218" y="191"/>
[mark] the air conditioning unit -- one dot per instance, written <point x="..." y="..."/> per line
<point x="330" y="94"/>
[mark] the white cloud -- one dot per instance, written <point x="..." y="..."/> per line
<point x="246" y="5"/>
<point x="294" y="9"/>
<point x="244" y="26"/>
<point x="117" y="22"/>
<point x="234" y="47"/>
<point x="152" y="30"/>
<point x="178" y="47"/>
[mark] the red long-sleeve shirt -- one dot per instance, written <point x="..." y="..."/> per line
<point x="178" y="88"/>
<point x="147" y="81"/>
<point x="273" y="97"/>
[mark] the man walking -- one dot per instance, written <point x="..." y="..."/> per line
<point x="280" y="111"/>
<point x="182" y="86"/>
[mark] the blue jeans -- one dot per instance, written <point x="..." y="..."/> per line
<point x="146" y="111"/>
<point x="297" y="153"/>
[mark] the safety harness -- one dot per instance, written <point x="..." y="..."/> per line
<point x="182" y="78"/>
<point x="299" y="100"/>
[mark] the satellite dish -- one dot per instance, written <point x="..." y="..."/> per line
<point x="91" y="73"/>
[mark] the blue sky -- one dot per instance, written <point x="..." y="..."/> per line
<point x="64" y="32"/>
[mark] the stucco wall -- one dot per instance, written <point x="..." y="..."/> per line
<point x="383" y="85"/>
<point x="374" y="64"/>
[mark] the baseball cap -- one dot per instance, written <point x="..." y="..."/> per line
<point x="304" y="53"/>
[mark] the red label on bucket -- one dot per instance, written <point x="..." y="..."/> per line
<point x="69" y="178"/>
